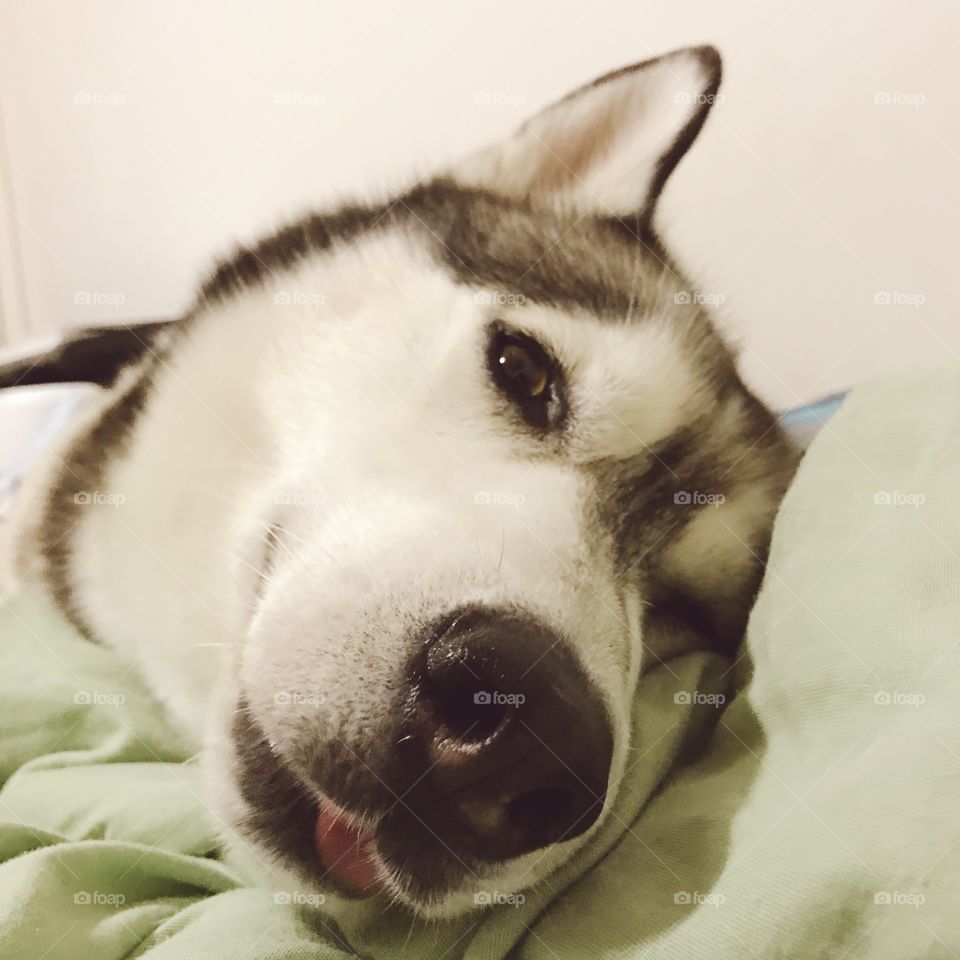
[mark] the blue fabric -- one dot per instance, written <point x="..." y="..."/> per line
<point x="804" y="422"/>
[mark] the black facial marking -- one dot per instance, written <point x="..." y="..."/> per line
<point x="645" y="502"/>
<point x="710" y="60"/>
<point x="250" y="266"/>
<point x="84" y="470"/>
<point x="91" y="355"/>
<point x="281" y="814"/>
<point x="483" y="239"/>
<point x="640" y="504"/>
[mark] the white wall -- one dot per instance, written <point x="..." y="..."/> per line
<point x="142" y="137"/>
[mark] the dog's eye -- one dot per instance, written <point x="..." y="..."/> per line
<point x="522" y="369"/>
<point x="526" y="375"/>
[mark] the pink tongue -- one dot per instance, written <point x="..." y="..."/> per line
<point x="348" y="852"/>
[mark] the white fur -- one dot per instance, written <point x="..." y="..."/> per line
<point x="369" y="426"/>
<point x="354" y="407"/>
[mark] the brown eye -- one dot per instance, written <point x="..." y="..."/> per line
<point x="527" y="376"/>
<point x="523" y="370"/>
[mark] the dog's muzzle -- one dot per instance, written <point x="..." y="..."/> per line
<point x="498" y="745"/>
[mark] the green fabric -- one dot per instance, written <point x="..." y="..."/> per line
<point x="830" y="786"/>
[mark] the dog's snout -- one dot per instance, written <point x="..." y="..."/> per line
<point x="514" y="736"/>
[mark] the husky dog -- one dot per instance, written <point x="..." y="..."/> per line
<point x="414" y="494"/>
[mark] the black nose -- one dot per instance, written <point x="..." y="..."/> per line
<point x="514" y="738"/>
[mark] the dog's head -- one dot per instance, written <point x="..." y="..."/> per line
<point x="504" y="435"/>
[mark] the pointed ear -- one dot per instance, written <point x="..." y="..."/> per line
<point x="608" y="147"/>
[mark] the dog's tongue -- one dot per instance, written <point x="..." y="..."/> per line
<point x="348" y="852"/>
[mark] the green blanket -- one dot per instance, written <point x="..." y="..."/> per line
<point x="820" y="817"/>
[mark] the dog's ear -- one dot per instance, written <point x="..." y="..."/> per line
<point x="608" y="147"/>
